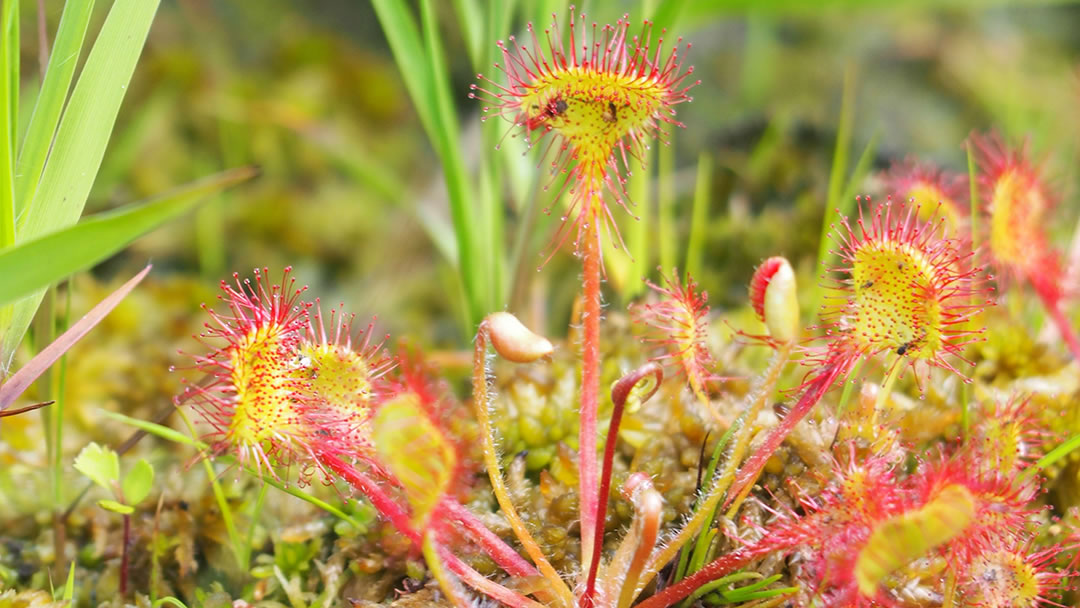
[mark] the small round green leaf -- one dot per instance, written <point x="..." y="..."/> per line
<point x="138" y="482"/>
<point x="115" y="507"/>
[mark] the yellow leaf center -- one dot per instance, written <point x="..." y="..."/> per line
<point x="896" y="304"/>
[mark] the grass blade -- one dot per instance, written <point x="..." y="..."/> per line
<point x="32" y="266"/>
<point x="81" y="139"/>
<point x="69" y="586"/>
<point x="641" y="229"/>
<point x="665" y="203"/>
<point x="973" y="230"/>
<point x="88" y="121"/>
<point x="699" y="215"/>
<point x="422" y="67"/>
<point x="21" y="380"/>
<point x="160" y="430"/>
<point x="469" y="18"/>
<point x="839" y="163"/>
<point x="9" y="123"/>
<point x="46" y="113"/>
<point x="478" y="271"/>
<point x="177" y="437"/>
<point x="667" y="14"/>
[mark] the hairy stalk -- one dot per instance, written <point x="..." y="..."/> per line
<point x="124" y="555"/>
<point x="619" y="394"/>
<point x="742" y="438"/>
<point x="494" y="546"/>
<point x="485" y="586"/>
<point x="590" y="382"/>
<point x="648" y="511"/>
<point x="715" y="569"/>
<point x="759" y="396"/>
<point x="481" y="403"/>
<point x="949" y="599"/>
<point x="1064" y="326"/>
<point x="400" y="520"/>
<point x="816" y="389"/>
<point x="374" y="493"/>
<point x="440" y="574"/>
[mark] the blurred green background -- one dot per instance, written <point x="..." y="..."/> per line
<point x="352" y="194"/>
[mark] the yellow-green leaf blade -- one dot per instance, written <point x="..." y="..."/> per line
<point x="54" y="89"/>
<point x="416" y="452"/>
<point x="80" y="141"/>
<point x="30" y="267"/>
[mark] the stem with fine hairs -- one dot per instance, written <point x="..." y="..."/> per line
<point x="759" y="395"/>
<point x="124" y="555"/>
<point x="481" y="403"/>
<point x="815" y="390"/>
<point x="590" y="379"/>
<point x="619" y="394"/>
<point x="389" y="509"/>
<point x="714" y="570"/>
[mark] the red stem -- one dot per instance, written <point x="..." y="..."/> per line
<point x="124" y="555"/>
<point x="477" y="581"/>
<point x="490" y="542"/>
<point x="378" y="497"/>
<point x="619" y="395"/>
<point x="495" y="547"/>
<point x="1064" y="327"/>
<point x="721" y="566"/>
<point x="590" y="388"/>
<point x="813" y="393"/>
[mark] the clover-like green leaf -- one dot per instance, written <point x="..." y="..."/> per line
<point x="138" y="481"/>
<point x="100" y="464"/>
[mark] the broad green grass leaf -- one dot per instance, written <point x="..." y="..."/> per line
<point x="20" y="380"/>
<point x="469" y="18"/>
<point x="422" y="65"/>
<point x="667" y="14"/>
<point x="477" y="271"/>
<point x="138" y="482"/>
<point x="54" y="89"/>
<point x="81" y="139"/>
<point x="100" y="464"/>
<point x="34" y="265"/>
<point x="9" y="122"/>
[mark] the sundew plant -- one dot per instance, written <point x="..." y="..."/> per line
<point x="781" y="375"/>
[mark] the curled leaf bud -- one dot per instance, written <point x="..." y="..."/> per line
<point x="775" y="298"/>
<point x="620" y="392"/>
<point x="513" y="341"/>
<point x="908" y="536"/>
